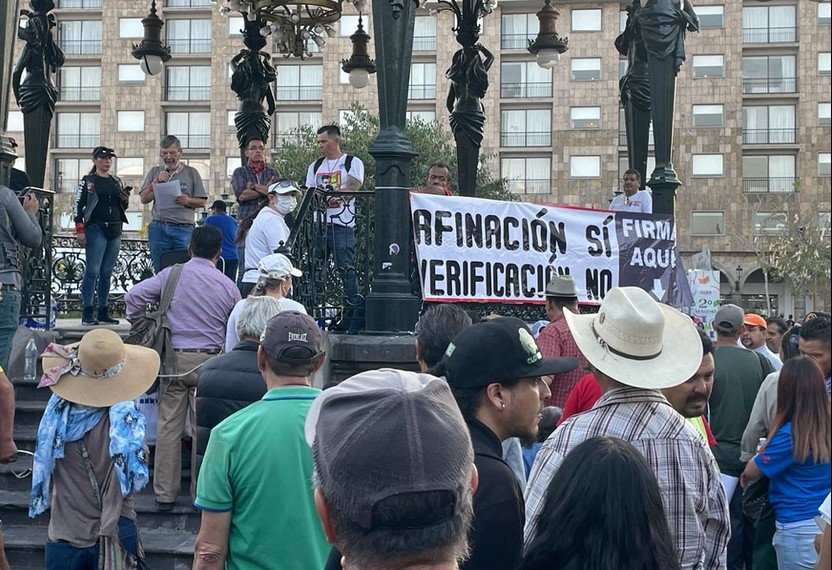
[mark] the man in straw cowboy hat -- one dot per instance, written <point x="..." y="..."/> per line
<point x="91" y="451"/>
<point x="636" y="347"/>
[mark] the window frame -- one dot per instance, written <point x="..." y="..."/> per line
<point x="710" y="173"/>
<point x="721" y="115"/>
<point x="596" y="166"/>
<point x="126" y="115"/>
<point x="591" y="22"/>
<point x="719" y="231"/>
<point x="588" y="121"/>
<point x="701" y="57"/>
<point x="599" y="69"/>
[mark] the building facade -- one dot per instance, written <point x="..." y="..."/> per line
<point x="751" y="143"/>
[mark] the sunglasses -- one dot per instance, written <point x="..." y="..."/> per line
<point x="286" y="183"/>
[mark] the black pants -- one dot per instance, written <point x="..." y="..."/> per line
<point x="740" y="546"/>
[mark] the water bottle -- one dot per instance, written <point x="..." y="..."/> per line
<point x="30" y="370"/>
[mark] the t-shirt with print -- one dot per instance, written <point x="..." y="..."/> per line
<point x="190" y="183"/>
<point x="334" y="173"/>
<point x="641" y="201"/>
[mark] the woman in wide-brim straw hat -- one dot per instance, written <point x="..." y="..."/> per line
<point x="91" y="450"/>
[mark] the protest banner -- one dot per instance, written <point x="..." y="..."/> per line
<point x="704" y="287"/>
<point x="477" y="250"/>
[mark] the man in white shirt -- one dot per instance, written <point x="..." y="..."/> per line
<point x="269" y="230"/>
<point x="754" y="338"/>
<point x="633" y="199"/>
<point x="339" y="172"/>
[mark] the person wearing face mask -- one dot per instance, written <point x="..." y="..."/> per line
<point x="269" y="230"/>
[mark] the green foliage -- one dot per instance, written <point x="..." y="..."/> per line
<point x="430" y="140"/>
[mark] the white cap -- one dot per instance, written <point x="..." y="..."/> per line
<point x="277" y="266"/>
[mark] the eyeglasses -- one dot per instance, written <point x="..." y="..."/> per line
<point x="256" y="148"/>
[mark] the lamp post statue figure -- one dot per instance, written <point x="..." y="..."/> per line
<point x="36" y="93"/>
<point x="251" y="78"/>
<point x="468" y="75"/>
<point x="654" y="43"/>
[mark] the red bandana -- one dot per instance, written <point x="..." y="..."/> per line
<point x="257" y="167"/>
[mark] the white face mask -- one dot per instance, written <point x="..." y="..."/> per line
<point x="286" y="204"/>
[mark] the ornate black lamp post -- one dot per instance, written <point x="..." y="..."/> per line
<point x="468" y="75"/>
<point x="150" y="52"/>
<point x="548" y="46"/>
<point x="359" y="65"/>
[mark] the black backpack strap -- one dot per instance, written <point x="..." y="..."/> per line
<point x="348" y="163"/>
<point x="318" y="164"/>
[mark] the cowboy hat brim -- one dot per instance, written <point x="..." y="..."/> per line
<point x="141" y="366"/>
<point x="678" y="361"/>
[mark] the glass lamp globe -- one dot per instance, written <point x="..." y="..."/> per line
<point x="547" y="58"/>
<point x="359" y="78"/>
<point x="151" y="64"/>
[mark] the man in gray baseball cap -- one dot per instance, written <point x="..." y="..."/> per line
<point x="394" y="471"/>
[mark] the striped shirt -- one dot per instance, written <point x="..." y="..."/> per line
<point x="694" y="500"/>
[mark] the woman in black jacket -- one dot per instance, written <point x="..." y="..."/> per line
<point x="99" y="215"/>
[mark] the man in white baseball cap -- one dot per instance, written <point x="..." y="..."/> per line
<point x="635" y="347"/>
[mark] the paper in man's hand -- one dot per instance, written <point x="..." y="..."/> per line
<point x="165" y="193"/>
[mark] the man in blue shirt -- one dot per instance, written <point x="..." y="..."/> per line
<point x="228" y="226"/>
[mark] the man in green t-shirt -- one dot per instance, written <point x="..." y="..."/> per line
<point x="255" y="484"/>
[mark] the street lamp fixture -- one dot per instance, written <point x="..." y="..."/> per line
<point x="150" y="52"/>
<point x="739" y="278"/>
<point x="359" y="65"/>
<point x="294" y="23"/>
<point x="548" y="46"/>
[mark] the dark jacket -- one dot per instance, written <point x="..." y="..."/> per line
<point x="86" y="198"/>
<point x="496" y="538"/>
<point x="226" y="384"/>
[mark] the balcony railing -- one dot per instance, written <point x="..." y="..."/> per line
<point x="78" y="93"/>
<point x="776" y="35"/>
<point x="527" y="89"/>
<point x="73" y="140"/>
<point x="189" y="93"/>
<point x="764" y="85"/>
<point x="193" y="45"/>
<point x="424" y="43"/>
<point x="195" y="141"/>
<point x="510" y="139"/>
<point x="298" y="93"/>
<point x="187" y="3"/>
<point x="422" y="91"/>
<point x="75" y="4"/>
<point x="530" y="185"/>
<point x="779" y="185"/>
<point x="515" y="41"/>
<point x="81" y="47"/>
<point x="769" y="136"/>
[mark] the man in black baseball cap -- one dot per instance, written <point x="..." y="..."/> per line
<point x="495" y="371"/>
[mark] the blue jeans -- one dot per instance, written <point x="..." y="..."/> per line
<point x="163" y="238"/>
<point x="9" y="318"/>
<point x="101" y="258"/>
<point x="63" y="556"/>
<point x="794" y="544"/>
<point x="340" y="241"/>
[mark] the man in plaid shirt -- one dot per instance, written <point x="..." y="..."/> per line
<point x="635" y="348"/>
<point x="555" y="340"/>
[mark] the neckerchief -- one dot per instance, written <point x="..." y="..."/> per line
<point x="257" y="167"/>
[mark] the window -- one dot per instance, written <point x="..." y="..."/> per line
<point x="130" y="167"/>
<point x="524" y="79"/>
<point x="707" y="224"/>
<point x="130" y="28"/>
<point x="349" y="23"/>
<point x="187" y="3"/>
<point x="130" y="120"/>
<point x="768" y="173"/>
<point x="824" y="164"/>
<point x="193" y="129"/>
<point x="622" y="129"/>
<point x="708" y="66"/>
<point x="824" y="114"/>
<point x="424" y="34"/>
<point x="68" y="171"/>
<point x="769" y="223"/>
<point x="15" y="122"/>
<point x="76" y="4"/>
<point x="80" y="37"/>
<point x="188" y="36"/>
<point x="769" y="74"/>
<point x="236" y="25"/>
<point x="299" y="83"/>
<point x="422" y="81"/>
<point x="623" y="64"/>
<point x="80" y="83"/>
<point x="711" y="16"/>
<point x="517" y="29"/>
<point x="708" y="116"/>
<point x="232" y="163"/>
<point x="288" y="122"/>
<point x="624" y="166"/>
<point x="769" y="24"/>
<point x="188" y="82"/>
<point x="586" y="20"/>
<point x="585" y="117"/>
<point x="622" y="20"/>
<point x="773" y="124"/>
<point x="586" y="69"/>
<point x="135" y="222"/>
<point x="584" y="166"/>
<point x="78" y="130"/>
<point x="231" y="123"/>
<point x="824" y="14"/>
<point x="527" y="175"/>
<point x="824" y="63"/>
<point x="130" y="73"/>
<point x="526" y="127"/>
<point x="423" y="116"/>
<point x="707" y="165"/>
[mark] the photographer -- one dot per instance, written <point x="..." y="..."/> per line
<point x="99" y="216"/>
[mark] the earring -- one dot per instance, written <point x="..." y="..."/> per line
<point x="502" y="405"/>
